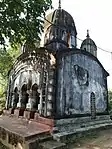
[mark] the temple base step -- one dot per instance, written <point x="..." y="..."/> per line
<point x="35" y="142"/>
<point x="71" y="124"/>
<point x="52" y="145"/>
<point x="21" y="133"/>
<point x="29" y="134"/>
<point x="72" y="135"/>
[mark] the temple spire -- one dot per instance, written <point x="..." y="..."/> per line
<point x="87" y="34"/>
<point x="59" y="4"/>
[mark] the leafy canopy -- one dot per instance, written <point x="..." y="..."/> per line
<point x="7" y="59"/>
<point x="21" y="20"/>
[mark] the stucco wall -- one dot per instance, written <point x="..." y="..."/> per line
<point x="78" y="77"/>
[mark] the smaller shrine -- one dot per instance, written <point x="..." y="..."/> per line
<point x="31" y="82"/>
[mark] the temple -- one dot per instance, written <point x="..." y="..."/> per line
<point x="58" y="81"/>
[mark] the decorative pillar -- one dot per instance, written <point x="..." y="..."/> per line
<point x="19" y="104"/>
<point x="50" y="92"/>
<point x="40" y="104"/>
<point x="23" y="100"/>
<point x="42" y="91"/>
<point x="15" y="99"/>
<point x="30" y="101"/>
<point x="23" y="97"/>
<point x="29" y="107"/>
<point x="12" y="104"/>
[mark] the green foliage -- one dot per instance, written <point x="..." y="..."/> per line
<point x="7" y="59"/>
<point x="110" y="95"/>
<point x="110" y="100"/>
<point x="5" y="63"/>
<point x="22" y="20"/>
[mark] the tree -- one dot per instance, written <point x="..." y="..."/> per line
<point x="22" y="20"/>
<point x="7" y="59"/>
<point x="6" y="62"/>
<point x="110" y="99"/>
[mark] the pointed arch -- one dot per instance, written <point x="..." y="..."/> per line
<point x="24" y="87"/>
<point x="15" y="99"/>
<point x="35" y="96"/>
<point x="25" y="96"/>
<point x="34" y="87"/>
<point x="92" y="95"/>
<point x="15" y="90"/>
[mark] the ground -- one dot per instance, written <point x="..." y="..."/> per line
<point x="101" y="140"/>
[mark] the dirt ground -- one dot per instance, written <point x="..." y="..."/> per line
<point x="101" y="140"/>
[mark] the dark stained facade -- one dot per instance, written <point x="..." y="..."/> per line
<point x="80" y="75"/>
<point x="59" y="80"/>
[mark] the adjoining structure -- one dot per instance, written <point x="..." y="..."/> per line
<point x="59" y="82"/>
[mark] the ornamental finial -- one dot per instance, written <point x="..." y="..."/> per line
<point x="87" y="34"/>
<point x="59" y="4"/>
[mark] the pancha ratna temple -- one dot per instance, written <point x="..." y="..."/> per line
<point x="59" y="80"/>
<point x="58" y="84"/>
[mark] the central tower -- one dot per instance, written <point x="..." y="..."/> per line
<point x="60" y="31"/>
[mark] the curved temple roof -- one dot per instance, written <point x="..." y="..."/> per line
<point x="59" y="29"/>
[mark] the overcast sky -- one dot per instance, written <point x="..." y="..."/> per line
<point x="95" y="15"/>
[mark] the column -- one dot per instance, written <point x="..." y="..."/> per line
<point x="30" y="103"/>
<point x="50" y="92"/>
<point x="40" y="104"/>
<point x="19" y="104"/>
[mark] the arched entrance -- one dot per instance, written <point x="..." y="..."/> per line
<point x="25" y="95"/>
<point x="93" y="105"/>
<point x="15" y="97"/>
<point x="35" y="96"/>
<point x="33" y="100"/>
<point x="23" y="99"/>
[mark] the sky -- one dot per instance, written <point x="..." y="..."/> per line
<point x="95" y="15"/>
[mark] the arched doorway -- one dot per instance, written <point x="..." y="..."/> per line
<point x="25" y="95"/>
<point x="24" y="99"/>
<point x="93" y="105"/>
<point x="15" y="99"/>
<point x="34" y="100"/>
<point x="35" y="96"/>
